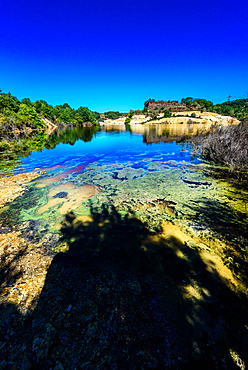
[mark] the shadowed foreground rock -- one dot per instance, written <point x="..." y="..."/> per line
<point x="122" y="298"/>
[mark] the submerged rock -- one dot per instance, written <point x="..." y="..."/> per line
<point x="62" y="194"/>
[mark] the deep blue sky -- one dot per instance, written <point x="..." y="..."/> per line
<point x="115" y="55"/>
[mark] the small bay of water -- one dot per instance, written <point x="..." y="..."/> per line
<point x="146" y="170"/>
<point x="113" y="146"/>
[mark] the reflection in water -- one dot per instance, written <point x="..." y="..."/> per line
<point x="159" y="182"/>
<point x="172" y="132"/>
<point x="71" y="147"/>
<point x="10" y="159"/>
<point x="155" y="133"/>
<point x="133" y="289"/>
<point x="71" y="135"/>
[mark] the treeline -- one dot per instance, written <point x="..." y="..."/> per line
<point x="116" y="114"/>
<point x="108" y="115"/>
<point x="235" y="108"/>
<point x="26" y="113"/>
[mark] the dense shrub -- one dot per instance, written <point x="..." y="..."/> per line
<point x="112" y="115"/>
<point x="228" y="145"/>
<point x="31" y="113"/>
<point x="167" y="114"/>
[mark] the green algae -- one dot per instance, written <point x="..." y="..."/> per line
<point x="24" y="207"/>
<point x="160" y="191"/>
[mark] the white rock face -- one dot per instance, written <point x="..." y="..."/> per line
<point x="178" y="117"/>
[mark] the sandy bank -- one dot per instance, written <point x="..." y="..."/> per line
<point x="13" y="186"/>
<point x="178" y="117"/>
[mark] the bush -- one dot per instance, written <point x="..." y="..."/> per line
<point x="30" y="115"/>
<point x="228" y="145"/>
<point x="132" y="112"/>
<point x="167" y="114"/>
<point x="128" y="120"/>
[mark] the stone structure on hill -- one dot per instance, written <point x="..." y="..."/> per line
<point x="162" y="105"/>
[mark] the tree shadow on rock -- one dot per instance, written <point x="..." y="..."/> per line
<point x="122" y="297"/>
<point x="220" y="217"/>
<point x="231" y="225"/>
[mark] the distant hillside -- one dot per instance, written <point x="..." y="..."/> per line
<point x="236" y="108"/>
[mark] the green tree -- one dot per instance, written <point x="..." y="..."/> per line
<point x="30" y="115"/>
<point x="8" y="102"/>
<point x="132" y="112"/>
<point x="27" y="101"/>
<point x="167" y="114"/>
<point x="187" y="100"/>
<point x="86" y="115"/>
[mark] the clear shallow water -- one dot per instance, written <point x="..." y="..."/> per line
<point x="104" y="147"/>
<point x="147" y="170"/>
<point x="116" y="274"/>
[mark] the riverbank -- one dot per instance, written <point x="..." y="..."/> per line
<point x="12" y="187"/>
<point x="24" y="261"/>
<point x="177" y="118"/>
<point x="164" y="298"/>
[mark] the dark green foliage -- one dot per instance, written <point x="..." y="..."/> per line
<point x="131" y="114"/>
<point x="86" y="115"/>
<point x="27" y="101"/>
<point x="97" y="115"/>
<point x="187" y="100"/>
<point x="167" y="113"/>
<point x="70" y="136"/>
<point x="128" y="120"/>
<point x="67" y="115"/>
<point x="237" y="108"/>
<point x="112" y="115"/>
<point x="23" y="130"/>
<point x="205" y="104"/>
<point x="193" y="115"/>
<point x="30" y="114"/>
<point x="8" y="102"/>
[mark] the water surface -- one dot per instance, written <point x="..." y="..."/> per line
<point x="150" y="171"/>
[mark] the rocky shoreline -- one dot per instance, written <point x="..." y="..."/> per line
<point x="24" y="259"/>
<point x="12" y="187"/>
<point x="150" y="300"/>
